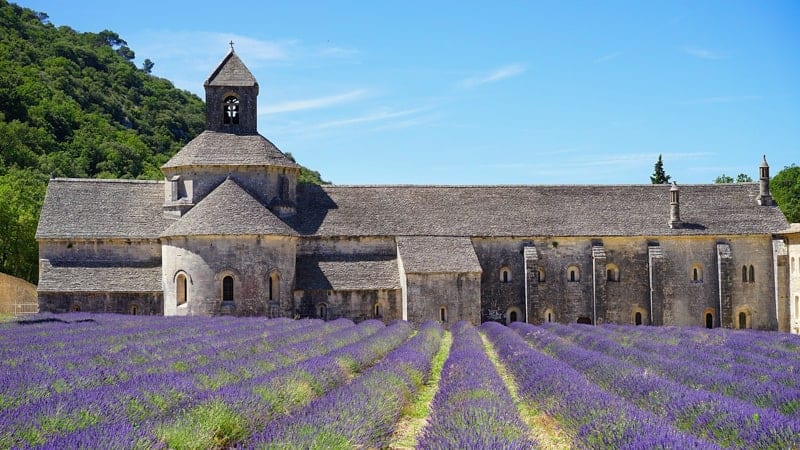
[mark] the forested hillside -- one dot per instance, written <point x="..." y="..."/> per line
<point x="73" y="104"/>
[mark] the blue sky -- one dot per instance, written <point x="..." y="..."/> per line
<point x="460" y="92"/>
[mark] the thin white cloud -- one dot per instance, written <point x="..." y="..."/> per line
<point x="608" y="57"/>
<point x="498" y="74"/>
<point x="384" y="114"/>
<point x="313" y="103"/>
<point x="722" y="99"/>
<point x="704" y="53"/>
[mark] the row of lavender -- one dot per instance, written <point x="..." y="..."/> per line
<point x="66" y="383"/>
<point x="679" y="395"/>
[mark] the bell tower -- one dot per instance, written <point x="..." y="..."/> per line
<point x="231" y="97"/>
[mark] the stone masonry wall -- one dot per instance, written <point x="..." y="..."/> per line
<point x="248" y="259"/>
<point x="458" y="293"/>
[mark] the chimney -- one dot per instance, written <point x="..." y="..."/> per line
<point x="674" y="206"/>
<point x="764" y="197"/>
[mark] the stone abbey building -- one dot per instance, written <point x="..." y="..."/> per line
<point x="230" y="231"/>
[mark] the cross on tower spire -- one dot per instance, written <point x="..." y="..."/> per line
<point x="231" y="43"/>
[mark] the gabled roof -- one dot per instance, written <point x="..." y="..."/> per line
<point x="436" y="254"/>
<point x="231" y="72"/>
<point x="91" y="209"/>
<point x="568" y="210"/>
<point x="87" y="277"/>
<point x="213" y="148"/>
<point x="343" y="272"/>
<point x="228" y="210"/>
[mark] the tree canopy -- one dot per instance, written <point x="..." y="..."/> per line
<point x="659" y="175"/>
<point x="74" y="104"/>
<point x="785" y="189"/>
<point x="741" y="178"/>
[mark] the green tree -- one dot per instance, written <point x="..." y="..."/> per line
<point x="724" y="179"/>
<point x="785" y="189"/>
<point x="659" y="176"/>
<point x="741" y="178"/>
<point x="21" y="196"/>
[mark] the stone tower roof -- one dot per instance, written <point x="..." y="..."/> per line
<point x="212" y="148"/>
<point x="231" y="72"/>
<point x="229" y="211"/>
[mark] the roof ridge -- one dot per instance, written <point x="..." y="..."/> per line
<point x="106" y="180"/>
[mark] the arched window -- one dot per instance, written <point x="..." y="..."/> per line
<point x="744" y="274"/>
<point x="443" y="314"/>
<point x="708" y="317"/>
<point x="743" y="317"/>
<point x="134" y="309"/>
<point x="274" y="286"/>
<point x="612" y="272"/>
<point x="181" y="294"/>
<point x="513" y="314"/>
<point x="322" y="311"/>
<point x="227" y="289"/>
<point x="637" y="319"/>
<point x="697" y="273"/>
<point x="376" y="310"/>
<point x="751" y="274"/>
<point x="505" y="275"/>
<point x="797" y="306"/>
<point x="573" y="274"/>
<point x="540" y="273"/>
<point x="230" y="110"/>
<point x="548" y="315"/>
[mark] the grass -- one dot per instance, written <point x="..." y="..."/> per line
<point x="415" y="414"/>
<point x="210" y="425"/>
<point x="544" y="429"/>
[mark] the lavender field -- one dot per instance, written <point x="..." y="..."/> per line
<point x="109" y="381"/>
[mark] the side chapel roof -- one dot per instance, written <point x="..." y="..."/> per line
<point x="87" y="277"/>
<point x="437" y="254"/>
<point x="91" y="208"/>
<point x="344" y="272"/>
<point x="228" y="210"/>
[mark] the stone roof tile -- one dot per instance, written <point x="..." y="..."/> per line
<point x="566" y="210"/>
<point x="90" y="208"/>
<point x="214" y="148"/>
<point x="346" y="272"/>
<point x="80" y="277"/>
<point x="229" y="210"/>
<point x="231" y="71"/>
<point x="436" y="254"/>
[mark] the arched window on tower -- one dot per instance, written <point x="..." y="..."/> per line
<point x="230" y="110"/>
<point x="274" y="286"/>
<point x="744" y="274"/>
<point x="181" y="294"/>
<point x="227" y="289"/>
<point x="751" y="274"/>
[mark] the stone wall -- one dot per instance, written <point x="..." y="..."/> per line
<point x="120" y="303"/>
<point x="101" y="250"/>
<point x="355" y="305"/>
<point x="250" y="260"/>
<point x="17" y="296"/>
<point x="458" y="293"/>
<point x="637" y="264"/>
<point x="793" y="271"/>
